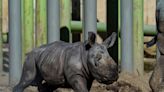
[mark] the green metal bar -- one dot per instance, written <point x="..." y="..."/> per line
<point x="150" y="30"/>
<point x="28" y="25"/>
<point x="138" y="64"/>
<point x="65" y="20"/>
<point x="1" y="44"/>
<point x="101" y="27"/>
<point x="41" y="23"/>
<point x="4" y="37"/>
<point x="76" y="26"/>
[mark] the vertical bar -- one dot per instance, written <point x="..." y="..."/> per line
<point x="41" y="22"/>
<point x="53" y="20"/>
<point x="112" y="25"/>
<point x="66" y="20"/>
<point x="138" y="37"/>
<point x="126" y="36"/>
<point x="15" y="41"/>
<point x="90" y="17"/>
<point x="28" y="25"/>
<point x="22" y="28"/>
<point x="1" y="42"/>
<point x="119" y="39"/>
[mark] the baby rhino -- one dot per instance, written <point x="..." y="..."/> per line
<point x="69" y="65"/>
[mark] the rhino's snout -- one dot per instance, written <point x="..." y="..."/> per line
<point x="113" y="78"/>
<point x="114" y="73"/>
<point x="113" y="67"/>
<point x="109" y="74"/>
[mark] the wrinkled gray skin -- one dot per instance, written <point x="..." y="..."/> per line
<point x="157" y="79"/>
<point x="69" y="65"/>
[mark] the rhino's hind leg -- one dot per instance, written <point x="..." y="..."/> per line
<point x="28" y="74"/>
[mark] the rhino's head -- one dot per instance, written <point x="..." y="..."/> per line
<point x="101" y="65"/>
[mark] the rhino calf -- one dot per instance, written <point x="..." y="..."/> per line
<point x="157" y="79"/>
<point x="69" y="65"/>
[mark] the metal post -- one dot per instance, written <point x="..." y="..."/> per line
<point x="28" y="25"/>
<point x="90" y="17"/>
<point x="126" y="36"/>
<point x="66" y="34"/>
<point x="41" y="27"/>
<point x="119" y="40"/>
<point x="53" y="20"/>
<point x="15" y="41"/>
<point x="138" y="37"/>
<point x="76" y="26"/>
<point x="1" y="40"/>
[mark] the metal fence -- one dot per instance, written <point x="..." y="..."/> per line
<point x="36" y="22"/>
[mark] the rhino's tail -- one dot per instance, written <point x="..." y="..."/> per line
<point x="28" y="74"/>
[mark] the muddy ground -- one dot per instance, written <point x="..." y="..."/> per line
<point x="126" y="83"/>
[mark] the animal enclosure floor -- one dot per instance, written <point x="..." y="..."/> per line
<point x="128" y="83"/>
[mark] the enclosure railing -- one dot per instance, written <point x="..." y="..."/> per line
<point x="41" y="22"/>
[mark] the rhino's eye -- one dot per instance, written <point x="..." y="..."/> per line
<point x="98" y="57"/>
<point x="97" y="63"/>
<point x="101" y="52"/>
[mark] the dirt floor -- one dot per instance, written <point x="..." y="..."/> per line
<point x="126" y="83"/>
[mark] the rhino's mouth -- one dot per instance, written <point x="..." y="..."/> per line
<point x="109" y="79"/>
<point x="106" y="81"/>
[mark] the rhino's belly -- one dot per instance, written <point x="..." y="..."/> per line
<point x="53" y="72"/>
<point x="55" y="81"/>
<point x="53" y="75"/>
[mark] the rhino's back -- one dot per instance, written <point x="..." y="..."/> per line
<point x="52" y="60"/>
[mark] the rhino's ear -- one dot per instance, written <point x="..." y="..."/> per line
<point x="109" y="42"/>
<point x="91" y="40"/>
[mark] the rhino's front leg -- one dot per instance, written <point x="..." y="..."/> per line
<point x="78" y="83"/>
<point x="155" y="78"/>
